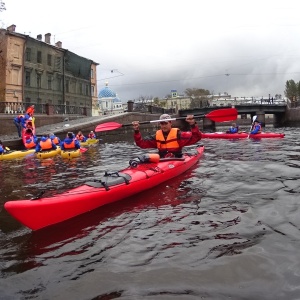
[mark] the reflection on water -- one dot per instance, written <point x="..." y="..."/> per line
<point x="228" y="228"/>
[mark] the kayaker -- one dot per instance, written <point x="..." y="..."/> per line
<point x="169" y="141"/>
<point x="70" y="142"/>
<point x="45" y="144"/>
<point x="92" y="135"/>
<point x="80" y="137"/>
<point x="30" y="139"/>
<point x="56" y="140"/>
<point x="233" y="129"/>
<point x="256" y="128"/>
<point x="2" y="148"/>
<point x="20" y="121"/>
<point x="30" y="111"/>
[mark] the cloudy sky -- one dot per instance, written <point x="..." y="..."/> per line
<point x="148" y="48"/>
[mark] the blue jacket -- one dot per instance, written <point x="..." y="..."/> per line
<point x="256" y="129"/>
<point x="2" y="150"/>
<point x="38" y="147"/>
<point x="68" y="140"/>
<point x="233" y="129"/>
<point x="20" y="120"/>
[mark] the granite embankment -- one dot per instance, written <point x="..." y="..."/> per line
<point x="10" y="138"/>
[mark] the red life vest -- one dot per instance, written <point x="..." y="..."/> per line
<point x="46" y="145"/>
<point x="80" y="137"/>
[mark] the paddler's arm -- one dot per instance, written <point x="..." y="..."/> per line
<point x="140" y="142"/>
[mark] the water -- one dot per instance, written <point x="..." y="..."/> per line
<point x="227" y="229"/>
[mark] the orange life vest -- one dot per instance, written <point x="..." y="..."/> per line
<point x="30" y="143"/>
<point x="169" y="143"/>
<point x="69" y="146"/>
<point x="55" y="140"/>
<point x="46" y="145"/>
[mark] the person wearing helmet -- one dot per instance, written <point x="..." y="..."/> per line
<point x="168" y="140"/>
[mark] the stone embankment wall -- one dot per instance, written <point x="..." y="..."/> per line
<point x="292" y="117"/>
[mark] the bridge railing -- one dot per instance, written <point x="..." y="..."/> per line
<point x="49" y="109"/>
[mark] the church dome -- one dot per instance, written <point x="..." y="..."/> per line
<point x="117" y="100"/>
<point x="106" y="92"/>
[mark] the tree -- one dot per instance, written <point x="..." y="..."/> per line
<point x="199" y="97"/>
<point x="291" y="89"/>
<point x="2" y="6"/>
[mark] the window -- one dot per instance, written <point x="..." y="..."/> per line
<point x="39" y="57"/>
<point x="59" y="81"/>
<point x="80" y="88"/>
<point x="49" y="60"/>
<point x="28" y="54"/>
<point x="92" y="90"/>
<point x="38" y="80"/>
<point x="58" y="63"/>
<point x="27" y="78"/>
<point x="49" y="82"/>
<point x="67" y="85"/>
<point x="87" y="90"/>
<point x="92" y="73"/>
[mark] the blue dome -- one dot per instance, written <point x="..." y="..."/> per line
<point x="106" y="92"/>
<point x="117" y="100"/>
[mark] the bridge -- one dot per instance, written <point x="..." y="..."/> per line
<point x="278" y="112"/>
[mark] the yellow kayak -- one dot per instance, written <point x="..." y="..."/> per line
<point x="16" y="154"/>
<point x="48" y="153"/>
<point x="89" y="142"/>
<point x="72" y="153"/>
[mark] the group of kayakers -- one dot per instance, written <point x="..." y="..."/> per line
<point x="255" y="129"/>
<point x="71" y="141"/>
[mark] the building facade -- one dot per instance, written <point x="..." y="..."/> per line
<point x="35" y="72"/>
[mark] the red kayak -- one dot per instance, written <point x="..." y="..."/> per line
<point x="114" y="186"/>
<point x="242" y="135"/>
<point x="29" y="131"/>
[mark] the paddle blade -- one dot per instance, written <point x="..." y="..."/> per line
<point x="223" y="115"/>
<point x="82" y="150"/>
<point x="108" y="126"/>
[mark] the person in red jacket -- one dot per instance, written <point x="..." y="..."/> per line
<point x="169" y="141"/>
<point x="30" y="111"/>
<point x="91" y="135"/>
<point x="80" y="137"/>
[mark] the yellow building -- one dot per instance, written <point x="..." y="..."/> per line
<point x="33" y="71"/>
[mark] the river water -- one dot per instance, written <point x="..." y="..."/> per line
<point x="227" y="229"/>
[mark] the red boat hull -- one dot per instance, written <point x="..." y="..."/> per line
<point x="43" y="212"/>
<point x="243" y="135"/>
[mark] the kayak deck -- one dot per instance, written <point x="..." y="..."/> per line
<point x="111" y="187"/>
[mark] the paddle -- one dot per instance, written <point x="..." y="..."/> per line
<point x="82" y="150"/>
<point x="253" y="120"/>
<point x="218" y="115"/>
